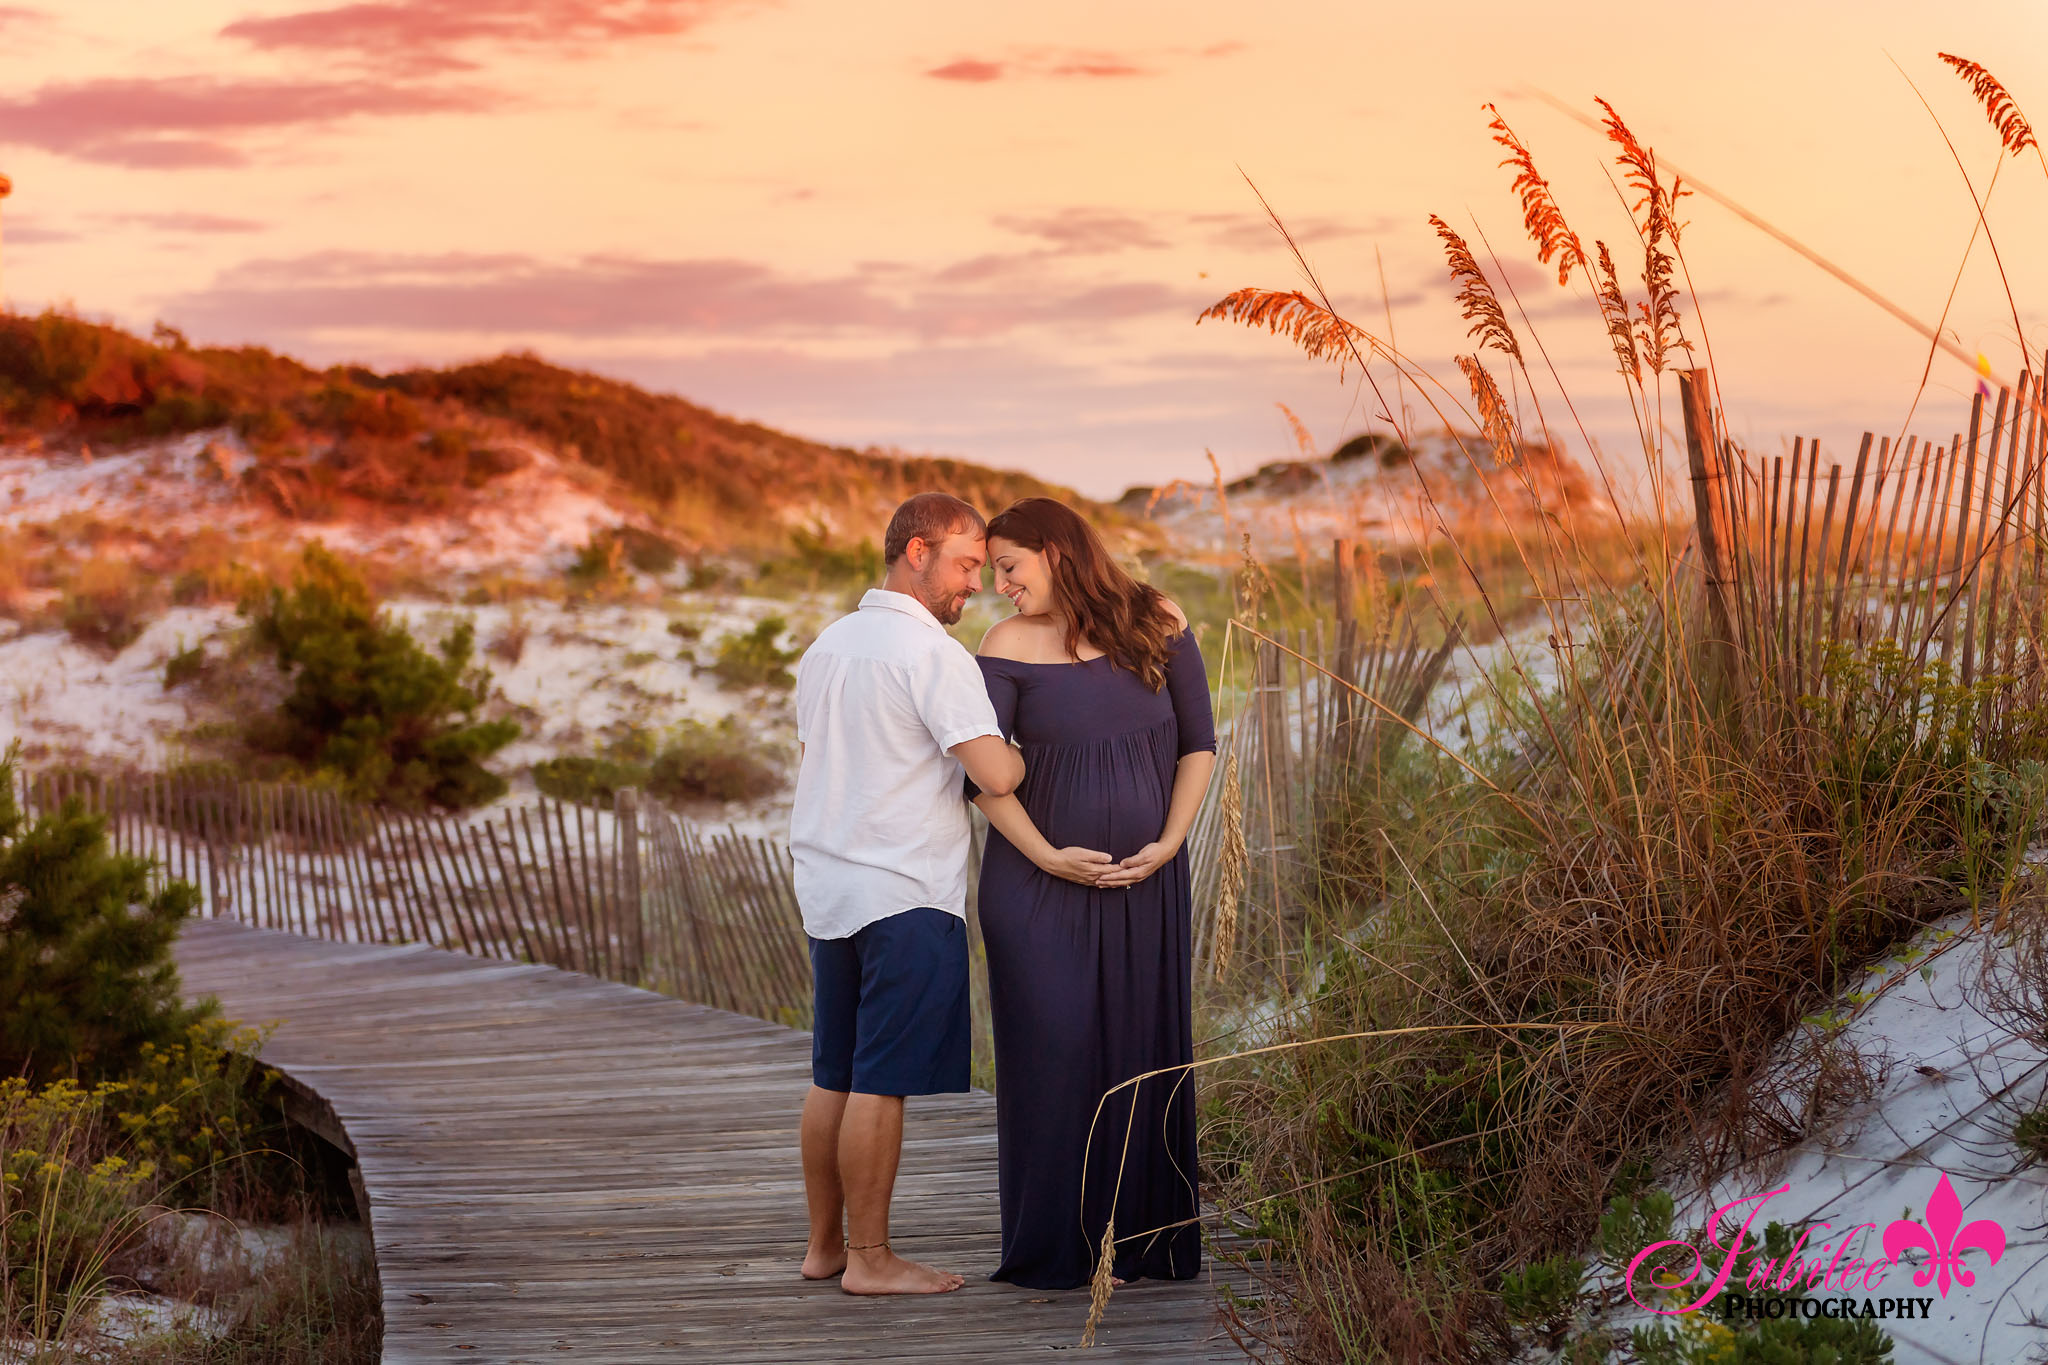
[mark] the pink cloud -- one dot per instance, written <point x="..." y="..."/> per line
<point x="1086" y="231"/>
<point x="460" y="291"/>
<point x="193" y="121"/>
<point x="968" y="70"/>
<point x="205" y="223"/>
<point x="1059" y="64"/>
<point x="1108" y="66"/>
<point x="1036" y="62"/>
<point x="614" y="295"/>
<point x="994" y="265"/>
<point x="1254" y="232"/>
<point x="28" y="233"/>
<point x="427" y="35"/>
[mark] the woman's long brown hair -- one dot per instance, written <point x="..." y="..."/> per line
<point x="1125" y="619"/>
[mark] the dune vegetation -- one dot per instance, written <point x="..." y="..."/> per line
<point x="1470" y="1001"/>
<point x="350" y="442"/>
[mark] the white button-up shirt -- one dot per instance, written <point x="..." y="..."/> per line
<point x="879" y="824"/>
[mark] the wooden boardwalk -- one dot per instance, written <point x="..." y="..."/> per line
<point x="561" y="1168"/>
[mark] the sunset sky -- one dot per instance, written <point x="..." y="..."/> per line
<point x="986" y="230"/>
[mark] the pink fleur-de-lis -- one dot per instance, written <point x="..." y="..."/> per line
<point x="1939" y="1237"/>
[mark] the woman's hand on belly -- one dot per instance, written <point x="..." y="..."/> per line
<point x="1083" y="865"/>
<point x="1140" y="865"/>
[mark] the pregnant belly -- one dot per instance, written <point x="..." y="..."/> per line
<point x="1114" y="808"/>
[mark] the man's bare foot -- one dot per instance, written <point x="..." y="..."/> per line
<point x="887" y="1273"/>
<point x="824" y="1265"/>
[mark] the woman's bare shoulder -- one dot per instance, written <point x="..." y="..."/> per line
<point x="1021" y="638"/>
<point x="1180" y="618"/>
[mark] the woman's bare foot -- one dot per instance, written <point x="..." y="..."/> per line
<point x="884" y="1272"/>
<point x="823" y="1264"/>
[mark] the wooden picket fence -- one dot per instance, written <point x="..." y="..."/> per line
<point x="1796" y="572"/>
<point x="1299" y="717"/>
<point x="629" y="893"/>
<point x="1932" y="546"/>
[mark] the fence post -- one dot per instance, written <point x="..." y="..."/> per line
<point x="1710" y="514"/>
<point x="625" y="806"/>
<point x="1345" y="588"/>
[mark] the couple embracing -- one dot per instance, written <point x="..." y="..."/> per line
<point x="1084" y="898"/>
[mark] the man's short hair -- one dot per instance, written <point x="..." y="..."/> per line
<point x="929" y="517"/>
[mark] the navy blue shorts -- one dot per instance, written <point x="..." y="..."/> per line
<point x="890" y="1010"/>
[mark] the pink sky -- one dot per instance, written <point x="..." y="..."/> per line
<point x="986" y="230"/>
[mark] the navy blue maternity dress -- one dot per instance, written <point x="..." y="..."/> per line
<point x="1089" y="987"/>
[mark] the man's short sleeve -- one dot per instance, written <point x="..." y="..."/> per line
<point x="951" y="699"/>
<point x="805" y="685"/>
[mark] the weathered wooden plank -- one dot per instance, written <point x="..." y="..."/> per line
<point x="564" y="1167"/>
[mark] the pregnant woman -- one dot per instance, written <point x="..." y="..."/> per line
<point x="1084" y="905"/>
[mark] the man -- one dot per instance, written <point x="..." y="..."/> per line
<point x="890" y="709"/>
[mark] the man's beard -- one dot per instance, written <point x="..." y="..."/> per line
<point x="946" y="608"/>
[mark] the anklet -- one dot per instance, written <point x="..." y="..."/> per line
<point x="869" y="1247"/>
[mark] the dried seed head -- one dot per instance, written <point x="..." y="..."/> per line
<point x="1311" y="326"/>
<point x="1476" y="298"/>
<point x="2014" y="132"/>
<point x="1099" y="1287"/>
<point x="1540" y="213"/>
<point x="1230" y="883"/>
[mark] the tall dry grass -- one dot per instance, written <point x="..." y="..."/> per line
<point x="1516" y="978"/>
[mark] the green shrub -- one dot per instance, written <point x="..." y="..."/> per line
<point x="193" y="1124"/>
<point x="1550" y="1298"/>
<point x="1545" y="1293"/>
<point x="605" y="558"/>
<point x="266" y="426"/>
<point x="368" y="704"/>
<point x="177" y="412"/>
<point x="352" y="410"/>
<point x="857" y="563"/>
<point x="86" y="975"/>
<point x="646" y="551"/>
<point x="107" y="602"/>
<point x="590" y="781"/>
<point x="817" y="562"/>
<point x="65" y="1203"/>
<point x="754" y="659"/>
<point x="206" y="1116"/>
<point x="185" y="665"/>
<point x="599" y="567"/>
<point x="1737" y="1339"/>
<point x="2030" y="1135"/>
<point x="719" y="762"/>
